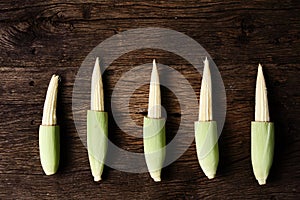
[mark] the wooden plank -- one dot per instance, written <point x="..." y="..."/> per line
<point x="39" y="38"/>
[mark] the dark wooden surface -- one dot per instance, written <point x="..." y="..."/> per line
<point x="39" y="38"/>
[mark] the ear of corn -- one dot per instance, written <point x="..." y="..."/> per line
<point x="154" y="145"/>
<point x="49" y="148"/>
<point x="262" y="132"/>
<point x="49" y="111"/>
<point x="49" y="141"/>
<point x="207" y="146"/>
<point x="154" y="103"/>
<point x="205" y="103"/>
<point x="261" y="98"/>
<point x="262" y="149"/>
<point x="97" y="131"/>
<point x="97" y="94"/>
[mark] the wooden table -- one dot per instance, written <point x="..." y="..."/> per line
<point x="40" y="38"/>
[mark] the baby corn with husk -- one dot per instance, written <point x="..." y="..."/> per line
<point x="206" y="134"/>
<point x="97" y="125"/>
<point x="49" y="136"/>
<point x="262" y="132"/>
<point x="154" y="129"/>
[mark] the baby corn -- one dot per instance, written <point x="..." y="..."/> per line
<point x="262" y="132"/>
<point x="49" y="131"/>
<point x="97" y="125"/>
<point x="154" y="129"/>
<point x="206" y="134"/>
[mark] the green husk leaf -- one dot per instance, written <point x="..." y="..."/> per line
<point x="262" y="149"/>
<point x="154" y="145"/>
<point x="97" y="131"/>
<point x="206" y="137"/>
<point x="49" y="139"/>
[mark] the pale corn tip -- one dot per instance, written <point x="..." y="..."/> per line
<point x="205" y="105"/>
<point x="49" y="111"/>
<point x="154" y="74"/>
<point x="154" y="103"/>
<point x="97" y="97"/>
<point x="261" y="99"/>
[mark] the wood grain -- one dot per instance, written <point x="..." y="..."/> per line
<point x="39" y="38"/>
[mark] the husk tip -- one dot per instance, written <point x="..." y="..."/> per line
<point x="211" y="176"/>
<point x="155" y="176"/>
<point x="261" y="181"/>
<point x="157" y="179"/>
<point x="49" y="172"/>
<point x="97" y="178"/>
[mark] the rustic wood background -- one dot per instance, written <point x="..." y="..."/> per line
<point x="39" y="38"/>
